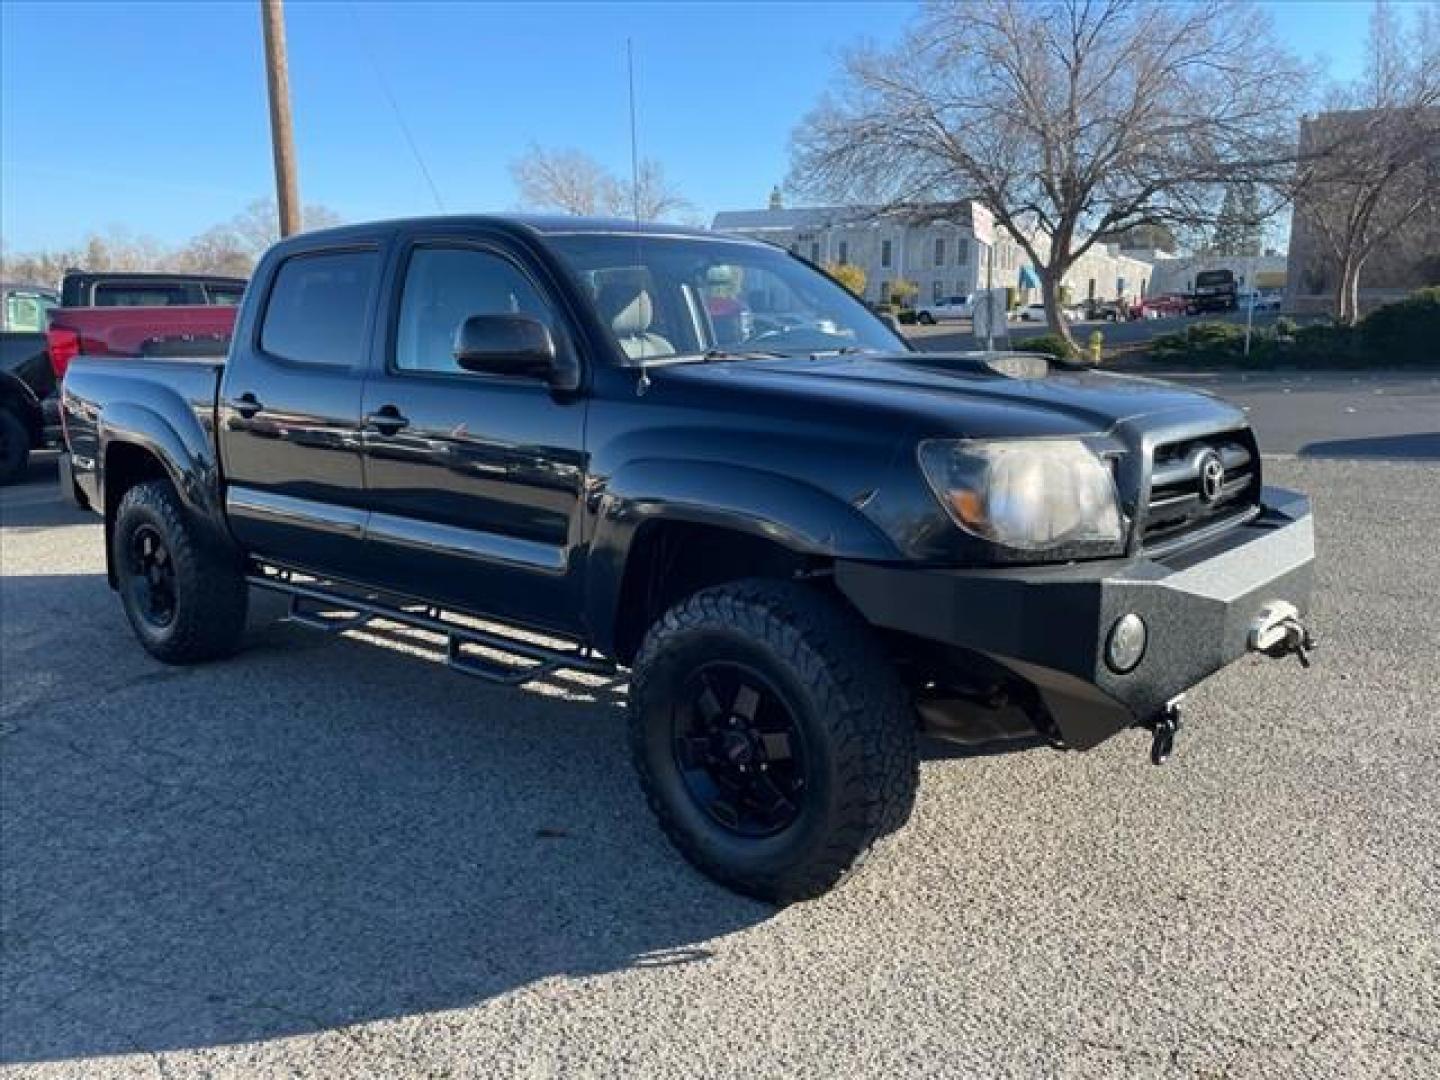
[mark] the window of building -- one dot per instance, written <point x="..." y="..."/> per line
<point x="443" y="288"/>
<point x="844" y="252"/>
<point x="318" y="308"/>
<point x="884" y="252"/>
<point x="815" y="251"/>
<point x="939" y="253"/>
<point x="962" y="251"/>
<point x="937" y="290"/>
<point x="885" y="288"/>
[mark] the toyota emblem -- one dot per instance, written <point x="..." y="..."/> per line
<point x="1212" y="476"/>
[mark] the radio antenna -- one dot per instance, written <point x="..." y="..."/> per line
<point x="634" y="142"/>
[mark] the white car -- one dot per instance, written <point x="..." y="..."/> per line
<point x="1036" y="313"/>
<point x="951" y="308"/>
<point x="1262" y="301"/>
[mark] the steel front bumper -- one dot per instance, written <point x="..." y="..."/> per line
<point x="1050" y="625"/>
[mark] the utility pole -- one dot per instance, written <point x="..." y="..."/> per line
<point x="282" y="138"/>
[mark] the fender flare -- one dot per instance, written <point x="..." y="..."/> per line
<point x="796" y="515"/>
<point x="175" y="438"/>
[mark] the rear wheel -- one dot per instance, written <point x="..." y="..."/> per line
<point x="14" y="446"/>
<point x="772" y="738"/>
<point x="185" y="597"/>
<point x="925" y="319"/>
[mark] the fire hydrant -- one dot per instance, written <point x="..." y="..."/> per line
<point x="1097" y="340"/>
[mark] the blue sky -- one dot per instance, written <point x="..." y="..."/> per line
<point x="152" y="117"/>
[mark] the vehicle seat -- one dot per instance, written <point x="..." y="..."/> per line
<point x="631" y="313"/>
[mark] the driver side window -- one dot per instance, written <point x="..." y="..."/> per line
<point x="443" y="288"/>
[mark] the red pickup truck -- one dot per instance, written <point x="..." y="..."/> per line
<point x="108" y="314"/>
<point x="138" y="331"/>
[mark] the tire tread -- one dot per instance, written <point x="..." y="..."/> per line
<point x="202" y="632"/>
<point x="854" y="685"/>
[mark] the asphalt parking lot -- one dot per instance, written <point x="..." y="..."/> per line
<point x="325" y="857"/>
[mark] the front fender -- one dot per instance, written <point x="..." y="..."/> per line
<point x="789" y="512"/>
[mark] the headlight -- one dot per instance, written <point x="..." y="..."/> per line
<point x="1026" y="494"/>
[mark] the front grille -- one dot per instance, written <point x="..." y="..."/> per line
<point x="1200" y="482"/>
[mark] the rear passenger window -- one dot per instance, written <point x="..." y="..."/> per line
<point x="318" y="306"/>
<point x="140" y="295"/>
<point x="223" y="295"/>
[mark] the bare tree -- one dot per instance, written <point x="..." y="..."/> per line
<point x="228" y="248"/>
<point x="113" y="249"/>
<point x="1067" y="119"/>
<point x="653" y="197"/>
<point x="566" y="180"/>
<point x="1370" y="164"/>
<point x="574" y="183"/>
<point x="233" y="246"/>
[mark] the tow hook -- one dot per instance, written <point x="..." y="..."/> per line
<point x="1277" y="631"/>
<point x="1163" y="727"/>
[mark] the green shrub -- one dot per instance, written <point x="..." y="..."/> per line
<point x="1405" y="332"/>
<point x="1324" y="344"/>
<point x="1285" y="327"/>
<point x="1049" y="344"/>
<point x="1216" y="338"/>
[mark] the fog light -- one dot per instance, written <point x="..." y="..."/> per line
<point x="1127" y="643"/>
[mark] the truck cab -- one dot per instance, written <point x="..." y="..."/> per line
<point x="695" y="462"/>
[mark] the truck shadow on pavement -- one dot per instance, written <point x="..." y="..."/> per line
<point x="314" y="834"/>
<point x="1421" y="446"/>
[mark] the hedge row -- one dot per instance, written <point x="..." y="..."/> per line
<point x="1403" y="334"/>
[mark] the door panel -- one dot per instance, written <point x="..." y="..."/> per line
<point x="290" y="436"/>
<point x="473" y="481"/>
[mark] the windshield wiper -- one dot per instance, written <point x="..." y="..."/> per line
<point x="747" y="354"/>
<point x="848" y="350"/>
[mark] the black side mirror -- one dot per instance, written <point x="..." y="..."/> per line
<point x="506" y="345"/>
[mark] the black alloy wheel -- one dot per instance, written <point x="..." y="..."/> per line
<point x="183" y="590"/>
<point x="772" y="736"/>
<point x="739" y="750"/>
<point x="152" y="577"/>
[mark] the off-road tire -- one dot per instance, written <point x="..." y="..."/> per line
<point x="210" y="594"/>
<point x="857" y="719"/>
<point x="14" y="446"/>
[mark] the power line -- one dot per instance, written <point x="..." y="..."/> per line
<point x="395" y="107"/>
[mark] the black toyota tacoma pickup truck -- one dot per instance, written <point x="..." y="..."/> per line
<point x="697" y="462"/>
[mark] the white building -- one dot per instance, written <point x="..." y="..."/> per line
<point x="943" y="258"/>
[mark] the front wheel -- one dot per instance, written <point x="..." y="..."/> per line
<point x="185" y="597"/>
<point x="772" y="738"/>
<point x="925" y="319"/>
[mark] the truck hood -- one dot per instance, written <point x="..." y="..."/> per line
<point x="962" y="394"/>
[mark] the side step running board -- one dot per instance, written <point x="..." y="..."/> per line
<point x="320" y="606"/>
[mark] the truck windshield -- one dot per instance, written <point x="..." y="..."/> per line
<point x="1213" y="277"/>
<point x="668" y="297"/>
